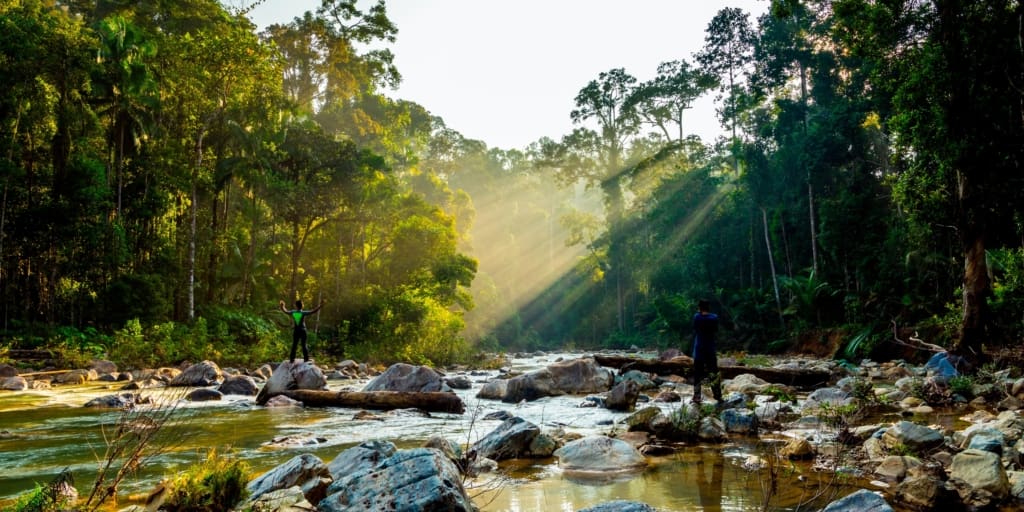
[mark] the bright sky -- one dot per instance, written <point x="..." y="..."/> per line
<point x="507" y="72"/>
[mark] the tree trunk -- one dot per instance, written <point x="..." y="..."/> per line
<point x="771" y="264"/>
<point x="683" y="366"/>
<point x="976" y="287"/>
<point x="436" y="401"/>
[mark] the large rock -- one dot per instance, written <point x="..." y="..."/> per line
<point x="204" y="395"/>
<point x="979" y="469"/>
<point x="916" y="437"/>
<point x="577" y="376"/>
<point x="833" y="397"/>
<point x="740" y="421"/>
<point x="76" y="377"/>
<point x="620" y="506"/>
<point x="365" y="455"/>
<point x="859" y="501"/>
<point x="599" y="455"/>
<point x="407" y="377"/>
<point x="622" y="396"/>
<point x="922" y="493"/>
<point x="120" y="401"/>
<point x="13" y="383"/>
<point x="205" y="373"/>
<point x="511" y="440"/>
<point x="642" y="380"/>
<point x="894" y="468"/>
<point x="747" y="384"/>
<point x="239" y="385"/>
<point x="306" y="471"/>
<point x="494" y="389"/>
<point x="289" y="376"/>
<point x="416" y="479"/>
<point x="798" y="448"/>
<point x="103" y="366"/>
<point x="7" y="370"/>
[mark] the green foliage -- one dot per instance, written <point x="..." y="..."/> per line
<point x="780" y="394"/>
<point x="962" y="385"/>
<point x="218" y="482"/>
<point x="839" y="417"/>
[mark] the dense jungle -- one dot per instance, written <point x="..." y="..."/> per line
<point x="169" y="173"/>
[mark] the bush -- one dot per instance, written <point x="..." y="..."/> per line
<point x="211" y="485"/>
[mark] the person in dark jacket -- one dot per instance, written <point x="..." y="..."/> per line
<point x="705" y="360"/>
<point x="298" y="316"/>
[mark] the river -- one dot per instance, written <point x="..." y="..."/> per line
<point x="42" y="432"/>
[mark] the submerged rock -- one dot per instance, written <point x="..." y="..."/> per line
<point x="416" y="479"/>
<point x="620" y="506"/>
<point x="859" y="501"/>
<point x="599" y="454"/>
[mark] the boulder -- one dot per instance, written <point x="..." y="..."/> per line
<point x="979" y="470"/>
<point x="747" y="384"/>
<point x="798" y="448"/>
<point x="305" y="471"/>
<point x="121" y="401"/>
<point x="144" y="383"/>
<point x="711" y="429"/>
<point x="510" y="440"/>
<point x="577" y="376"/>
<point x="459" y="382"/>
<point x="7" y="370"/>
<point x="620" y="506"/>
<point x="862" y="500"/>
<point x="642" y="380"/>
<point x="599" y="455"/>
<point x="922" y="493"/>
<point x="622" y="396"/>
<point x="204" y="395"/>
<point x="290" y="376"/>
<point x="493" y="390"/>
<point x="987" y="439"/>
<point x="668" y="397"/>
<point x="367" y="454"/>
<point x="640" y="421"/>
<point x="834" y="397"/>
<point x="916" y="437"/>
<point x="407" y="377"/>
<point x="205" y="373"/>
<point x="103" y="366"/>
<point x="894" y="468"/>
<point x="39" y="384"/>
<point x="239" y="385"/>
<point x="13" y="383"/>
<point x="740" y="421"/>
<point x="76" y="377"/>
<point x="416" y="479"/>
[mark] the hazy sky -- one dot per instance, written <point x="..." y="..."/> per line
<point x="507" y="72"/>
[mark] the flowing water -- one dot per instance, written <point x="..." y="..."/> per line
<point x="43" y="432"/>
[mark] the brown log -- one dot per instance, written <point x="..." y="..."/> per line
<point x="682" y="365"/>
<point x="436" y="401"/>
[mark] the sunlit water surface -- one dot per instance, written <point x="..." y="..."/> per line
<point x="43" y="432"/>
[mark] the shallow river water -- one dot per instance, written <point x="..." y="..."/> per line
<point x="42" y="432"/>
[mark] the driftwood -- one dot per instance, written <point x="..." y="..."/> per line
<point x="435" y="401"/>
<point x="683" y="365"/>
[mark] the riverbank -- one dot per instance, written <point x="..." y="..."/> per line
<point x="47" y="430"/>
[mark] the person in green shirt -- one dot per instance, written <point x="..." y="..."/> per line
<point x="298" y="316"/>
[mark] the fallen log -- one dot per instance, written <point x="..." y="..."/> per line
<point x="683" y="365"/>
<point x="434" y="401"/>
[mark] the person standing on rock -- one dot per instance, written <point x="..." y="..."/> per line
<point x="298" y="316"/>
<point x="705" y="360"/>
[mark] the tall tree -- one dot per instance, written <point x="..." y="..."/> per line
<point x="952" y="70"/>
<point x="599" y="160"/>
<point x="727" y="53"/>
